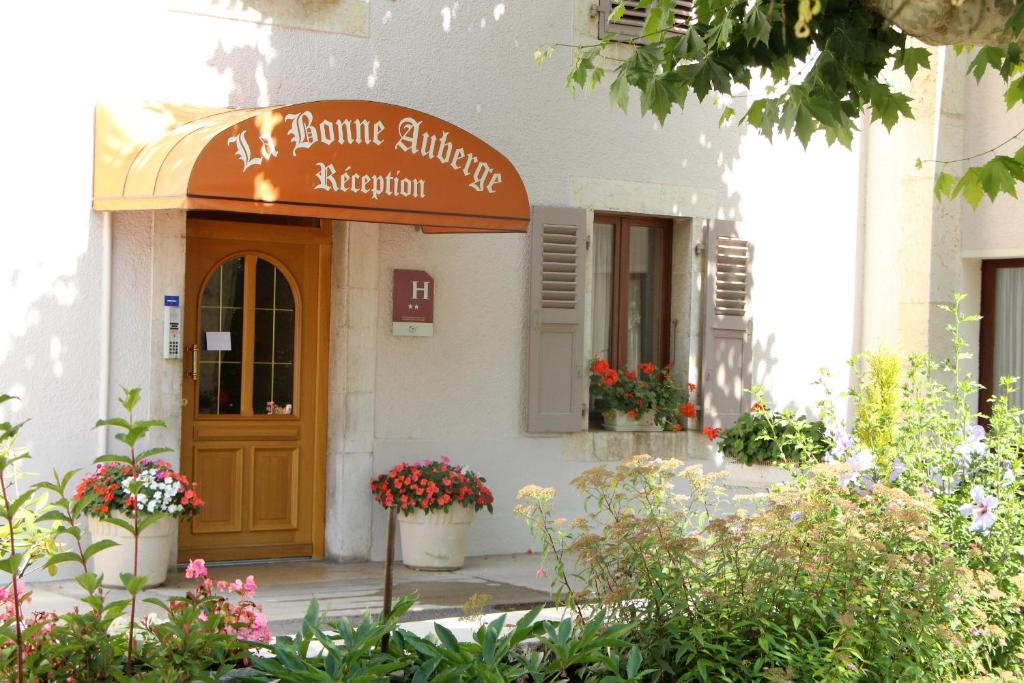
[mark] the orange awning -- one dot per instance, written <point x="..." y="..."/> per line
<point x="342" y="159"/>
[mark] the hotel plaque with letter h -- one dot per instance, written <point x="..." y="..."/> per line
<point x="412" y="304"/>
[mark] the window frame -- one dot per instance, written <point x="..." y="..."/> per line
<point x="621" y="224"/>
<point x="987" y="331"/>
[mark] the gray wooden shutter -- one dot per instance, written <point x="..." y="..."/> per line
<point x="726" y="358"/>
<point x="557" y="368"/>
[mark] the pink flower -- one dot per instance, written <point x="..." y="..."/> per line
<point x="250" y="585"/>
<point x="540" y="573"/>
<point x="196" y="569"/>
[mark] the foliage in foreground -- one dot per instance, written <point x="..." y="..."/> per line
<point x="380" y="650"/>
<point x="902" y="564"/>
<point x="821" y="584"/>
<point x="216" y="630"/>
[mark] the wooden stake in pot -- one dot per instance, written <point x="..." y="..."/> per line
<point x="389" y="561"/>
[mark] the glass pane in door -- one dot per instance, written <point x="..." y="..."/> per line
<point x="220" y="356"/>
<point x="645" y="314"/>
<point x="273" y="389"/>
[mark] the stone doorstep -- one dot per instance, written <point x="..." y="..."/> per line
<point x="345" y="590"/>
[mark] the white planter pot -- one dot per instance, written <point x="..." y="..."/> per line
<point x="154" y="550"/>
<point x="435" y="541"/>
<point x="618" y="421"/>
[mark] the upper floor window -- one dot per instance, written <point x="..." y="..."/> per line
<point x="632" y="289"/>
<point x="630" y="25"/>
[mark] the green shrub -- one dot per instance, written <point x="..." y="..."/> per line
<point x="877" y="400"/>
<point x="768" y="436"/>
<point x="821" y="583"/>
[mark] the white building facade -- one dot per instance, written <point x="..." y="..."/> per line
<point x="846" y="249"/>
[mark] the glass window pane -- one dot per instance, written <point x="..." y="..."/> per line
<point x="273" y="343"/>
<point x="263" y="343"/>
<point x="265" y="272"/>
<point x="601" y="322"/>
<point x="220" y="310"/>
<point x="645" y="315"/>
<point x="1008" y="354"/>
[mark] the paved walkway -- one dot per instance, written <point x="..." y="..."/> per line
<point x="509" y="582"/>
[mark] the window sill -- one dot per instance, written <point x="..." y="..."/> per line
<point x="691" y="447"/>
<point x="608" y="446"/>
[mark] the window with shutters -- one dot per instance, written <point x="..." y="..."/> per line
<point x="632" y="289"/>
<point x="629" y="26"/>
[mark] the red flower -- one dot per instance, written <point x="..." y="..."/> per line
<point x="693" y="387"/>
<point x="631" y="376"/>
<point x="600" y="366"/>
<point x="712" y="432"/>
<point x="677" y="427"/>
<point x="611" y="377"/>
<point x="687" y="410"/>
<point x="631" y="413"/>
<point x="758" y="407"/>
<point x="647" y="368"/>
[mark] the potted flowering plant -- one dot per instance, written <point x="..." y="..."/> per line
<point x="113" y="493"/>
<point x="644" y="399"/>
<point x="437" y="502"/>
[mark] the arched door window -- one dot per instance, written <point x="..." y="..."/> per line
<point x="247" y="326"/>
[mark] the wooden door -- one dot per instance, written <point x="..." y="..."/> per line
<point x="254" y="388"/>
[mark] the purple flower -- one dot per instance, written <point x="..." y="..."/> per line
<point x="897" y="469"/>
<point x="855" y="466"/>
<point x="981" y="510"/>
<point x="973" y="446"/>
<point x="843" y="443"/>
<point x="796" y="516"/>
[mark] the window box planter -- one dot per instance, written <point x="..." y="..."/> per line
<point x="618" y="421"/>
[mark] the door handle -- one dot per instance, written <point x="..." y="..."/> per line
<point x="194" y="372"/>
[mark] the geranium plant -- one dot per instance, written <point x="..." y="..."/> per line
<point x="154" y="488"/>
<point x="645" y="390"/>
<point x="764" y="435"/>
<point x="431" y="485"/>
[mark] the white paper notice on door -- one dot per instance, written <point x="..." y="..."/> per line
<point x="218" y="341"/>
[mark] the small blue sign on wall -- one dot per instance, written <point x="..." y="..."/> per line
<point x="172" y="300"/>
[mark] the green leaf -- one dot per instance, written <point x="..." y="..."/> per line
<point x="98" y="546"/>
<point x="633" y="664"/>
<point x="113" y="422"/>
<point x="910" y="59"/>
<point x="969" y="186"/>
<point x="657" y="98"/>
<point x="61" y="558"/>
<point x="90" y="581"/>
<point x="620" y="91"/>
<point x="756" y="24"/>
<point x="132" y="583"/>
<point x="986" y="57"/>
<point x="1014" y="92"/>
<point x="944" y="184"/>
<point x="150" y="518"/>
